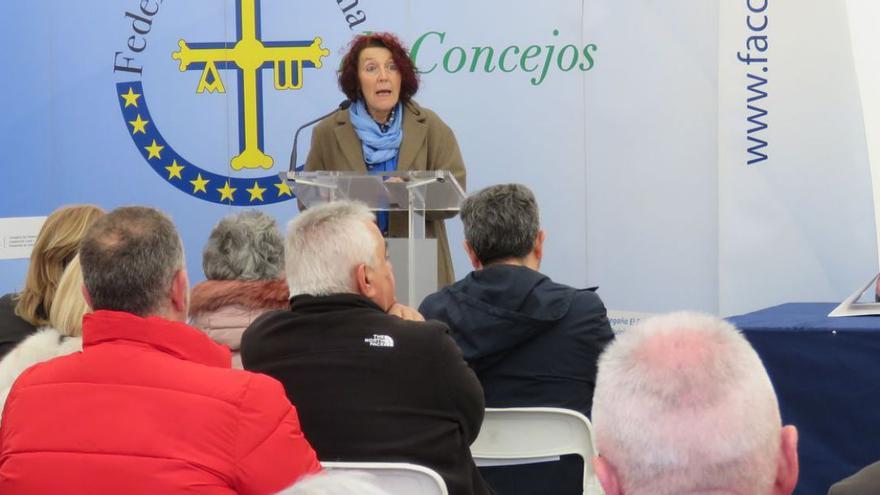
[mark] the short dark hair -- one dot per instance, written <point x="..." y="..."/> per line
<point x="348" y="72"/>
<point x="501" y="222"/>
<point x="244" y="246"/>
<point x="129" y="258"/>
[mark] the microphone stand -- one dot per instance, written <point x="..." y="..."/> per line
<point x="342" y="106"/>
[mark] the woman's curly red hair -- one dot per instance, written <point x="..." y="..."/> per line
<point x="348" y="73"/>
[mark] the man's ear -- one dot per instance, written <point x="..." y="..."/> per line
<point x="787" y="467"/>
<point x="180" y="291"/>
<point x="538" y="250"/>
<point x="607" y="475"/>
<point x="472" y="255"/>
<point x="87" y="297"/>
<point x="363" y="281"/>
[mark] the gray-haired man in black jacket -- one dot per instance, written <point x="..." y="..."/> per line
<point x="372" y="381"/>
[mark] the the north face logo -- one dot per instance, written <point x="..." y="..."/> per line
<point x="380" y="341"/>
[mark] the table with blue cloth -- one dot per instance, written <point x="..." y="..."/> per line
<point x="826" y="372"/>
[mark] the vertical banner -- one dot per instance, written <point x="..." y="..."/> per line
<point x="795" y="202"/>
<point x="864" y="17"/>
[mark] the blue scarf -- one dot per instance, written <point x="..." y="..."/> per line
<point x="378" y="146"/>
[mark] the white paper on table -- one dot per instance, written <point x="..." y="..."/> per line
<point x="18" y="235"/>
<point x="851" y="307"/>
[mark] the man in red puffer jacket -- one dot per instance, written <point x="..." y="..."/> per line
<point x="150" y="405"/>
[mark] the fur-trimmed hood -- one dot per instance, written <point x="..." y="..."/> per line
<point x="223" y="309"/>
<point x="212" y="295"/>
<point x="44" y="345"/>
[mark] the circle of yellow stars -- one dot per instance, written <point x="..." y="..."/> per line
<point x="200" y="185"/>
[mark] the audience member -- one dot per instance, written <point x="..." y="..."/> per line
<point x="532" y="341"/>
<point x="244" y="264"/>
<point x="62" y="336"/>
<point x="864" y="482"/>
<point x="336" y="483"/>
<point x="369" y="386"/>
<point x="684" y="405"/>
<point x="57" y="243"/>
<point x="150" y="405"/>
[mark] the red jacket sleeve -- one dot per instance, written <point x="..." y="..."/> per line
<point x="271" y="452"/>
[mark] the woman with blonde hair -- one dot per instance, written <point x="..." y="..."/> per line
<point x="57" y="243"/>
<point x="62" y="336"/>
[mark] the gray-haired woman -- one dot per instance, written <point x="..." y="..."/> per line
<point x="244" y="264"/>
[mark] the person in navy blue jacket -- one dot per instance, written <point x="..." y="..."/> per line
<point x="531" y="341"/>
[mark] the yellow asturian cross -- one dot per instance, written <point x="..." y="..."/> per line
<point x="249" y="54"/>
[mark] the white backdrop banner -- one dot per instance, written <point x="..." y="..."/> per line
<point x="685" y="154"/>
<point x="796" y="219"/>
<point x="864" y="17"/>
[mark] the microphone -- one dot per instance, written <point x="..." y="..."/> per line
<point x="342" y="106"/>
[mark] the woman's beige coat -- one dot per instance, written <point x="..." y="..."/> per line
<point x="428" y="144"/>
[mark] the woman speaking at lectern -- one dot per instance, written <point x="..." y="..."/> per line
<point x="384" y="129"/>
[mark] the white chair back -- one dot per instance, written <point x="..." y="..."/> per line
<point x="522" y="435"/>
<point x="397" y="478"/>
